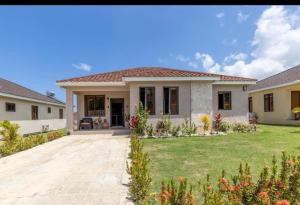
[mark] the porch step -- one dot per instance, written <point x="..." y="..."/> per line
<point x="102" y="131"/>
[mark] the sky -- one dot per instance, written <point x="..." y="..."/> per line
<point x="42" y="44"/>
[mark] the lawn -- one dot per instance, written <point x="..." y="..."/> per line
<point x="195" y="157"/>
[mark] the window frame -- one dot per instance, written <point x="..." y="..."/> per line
<point x="145" y="106"/>
<point x="7" y="104"/>
<point x="270" y="107"/>
<point x="86" y="105"/>
<point x="177" y="104"/>
<point x="230" y="99"/>
<point x="49" y="110"/>
<point x="250" y="104"/>
<point x="33" y="117"/>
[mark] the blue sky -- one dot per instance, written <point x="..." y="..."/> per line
<point x="42" y="44"/>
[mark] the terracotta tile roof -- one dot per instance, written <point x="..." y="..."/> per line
<point x="9" y="87"/>
<point x="116" y="76"/>
<point x="284" y="77"/>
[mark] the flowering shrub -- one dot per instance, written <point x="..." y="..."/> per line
<point x="150" y="130"/>
<point x="163" y="126"/>
<point x="138" y="170"/>
<point x="224" y="126"/>
<point x="274" y="187"/>
<point x="218" y="119"/>
<point x="175" y="131"/>
<point x="205" y="122"/>
<point x="241" y="127"/>
<point x="138" y="122"/>
<point x="188" y="128"/>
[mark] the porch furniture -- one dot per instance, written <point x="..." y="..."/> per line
<point x="97" y="123"/>
<point x="86" y="123"/>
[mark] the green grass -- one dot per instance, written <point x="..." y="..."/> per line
<point x="195" y="157"/>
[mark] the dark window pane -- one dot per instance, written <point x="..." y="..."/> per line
<point x="61" y="113"/>
<point x="174" y="101"/>
<point x="166" y="101"/>
<point x="95" y="105"/>
<point x="34" y="112"/>
<point x="268" y="102"/>
<point x="10" y="107"/>
<point x="221" y="101"/>
<point x="224" y="100"/>
<point x="250" y="109"/>
<point x="142" y="96"/>
<point x="147" y="97"/>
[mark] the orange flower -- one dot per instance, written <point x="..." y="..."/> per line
<point x="209" y="188"/>
<point x="289" y="162"/>
<point x="263" y="194"/>
<point x="278" y="193"/>
<point x="224" y="180"/>
<point x="283" y="202"/>
<point x="181" y="179"/>
<point x="243" y="184"/>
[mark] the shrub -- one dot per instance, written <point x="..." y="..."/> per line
<point x="54" y="135"/>
<point x="138" y="123"/>
<point x="205" y="122"/>
<point x="224" y="126"/>
<point x="9" y="131"/>
<point x="241" y="127"/>
<point x="175" y="131"/>
<point x="138" y="170"/>
<point x="163" y="126"/>
<point x="218" y="119"/>
<point x="274" y="187"/>
<point x="188" y="128"/>
<point x="176" y="194"/>
<point x="150" y="130"/>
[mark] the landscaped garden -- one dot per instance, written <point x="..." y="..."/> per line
<point x="195" y="157"/>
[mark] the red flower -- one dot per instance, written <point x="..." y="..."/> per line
<point x="209" y="188"/>
<point x="278" y="193"/>
<point x="289" y="162"/>
<point x="224" y="180"/>
<point x="283" y="202"/>
<point x="263" y="194"/>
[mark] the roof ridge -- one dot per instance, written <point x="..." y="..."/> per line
<point x="29" y="89"/>
<point x="285" y="71"/>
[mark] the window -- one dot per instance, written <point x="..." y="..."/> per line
<point x="10" y="107"/>
<point x="295" y="99"/>
<point x="250" y="106"/>
<point x="268" y="102"/>
<point x="61" y="113"/>
<point x="49" y="110"/>
<point x="224" y="100"/>
<point x="171" y="101"/>
<point x="147" y="97"/>
<point x="34" y="112"/>
<point x="94" y="105"/>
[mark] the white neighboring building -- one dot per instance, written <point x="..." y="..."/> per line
<point x="34" y="112"/>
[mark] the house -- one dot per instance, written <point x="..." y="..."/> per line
<point x="178" y="93"/>
<point x="273" y="98"/>
<point x="33" y="111"/>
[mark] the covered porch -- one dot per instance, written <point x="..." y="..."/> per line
<point x="91" y="109"/>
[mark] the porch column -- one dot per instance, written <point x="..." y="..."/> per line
<point x="70" y="115"/>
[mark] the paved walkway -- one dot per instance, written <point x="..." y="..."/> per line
<point x="76" y="169"/>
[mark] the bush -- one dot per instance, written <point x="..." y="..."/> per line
<point x="224" y="126"/>
<point x="163" y="126"/>
<point x="188" y="128"/>
<point x="175" y="131"/>
<point x="218" y="119"/>
<point x="272" y="188"/>
<point x="9" y="131"/>
<point x="241" y="127"/>
<point x="54" y="135"/>
<point x="150" y="130"/>
<point x="205" y="122"/>
<point x="138" y="123"/>
<point x="139" y="185"/>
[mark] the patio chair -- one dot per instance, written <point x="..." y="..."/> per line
<point x="86" y="123"/>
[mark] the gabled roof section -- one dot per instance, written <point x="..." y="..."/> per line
<point x="10" y="88"/>
<point x="117" y="76"/>
<point x="286" y="77"/>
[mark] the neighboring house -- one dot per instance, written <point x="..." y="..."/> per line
<point x="273" y="98"/>
<point x="33" y="111"/>
<point x="178" y="93"/>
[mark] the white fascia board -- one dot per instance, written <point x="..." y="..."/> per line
<point x="90" y="84"/>
<point x="275" y="86"/>
<point x="143" y="79"/>
<point x="29" y="99"/>
<point x="225" y="82"/>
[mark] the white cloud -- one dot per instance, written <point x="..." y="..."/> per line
<point x="82" y="66"/>
<point x="220" y="15"/>
<point x="232" y="42"/>
<point x="235" y="57"/>
<point x="193" y="65"/>
<point x="241" y="17"/>
<point x="207" y="60"/>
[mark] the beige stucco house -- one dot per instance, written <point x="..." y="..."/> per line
<point x="34" y="112"/>
<point x="273" y="98"/>
<point x="177" y="93"/>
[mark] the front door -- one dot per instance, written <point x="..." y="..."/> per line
<point x="117" y="112"/>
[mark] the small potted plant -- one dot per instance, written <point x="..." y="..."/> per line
<point x="105" y="124"/>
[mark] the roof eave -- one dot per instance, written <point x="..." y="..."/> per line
<point x="143" y="79"/>
<point x="275" y="86"/>
<point x="89" y="84"/>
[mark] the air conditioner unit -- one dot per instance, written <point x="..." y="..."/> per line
<point x="45" y="128"/>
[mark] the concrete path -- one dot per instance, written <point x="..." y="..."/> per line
<point x="76" y="169"/>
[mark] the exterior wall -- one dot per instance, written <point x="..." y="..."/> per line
<point x="282" y="105"/>
<point x="201" y="101"/>
<point x="184" y="99"/>
<point x="239" y="102"/>
<point x="22" y="115"/>
<point x="108" y="96"/>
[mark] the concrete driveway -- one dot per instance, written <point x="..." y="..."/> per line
<point x="76" y="169"/>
